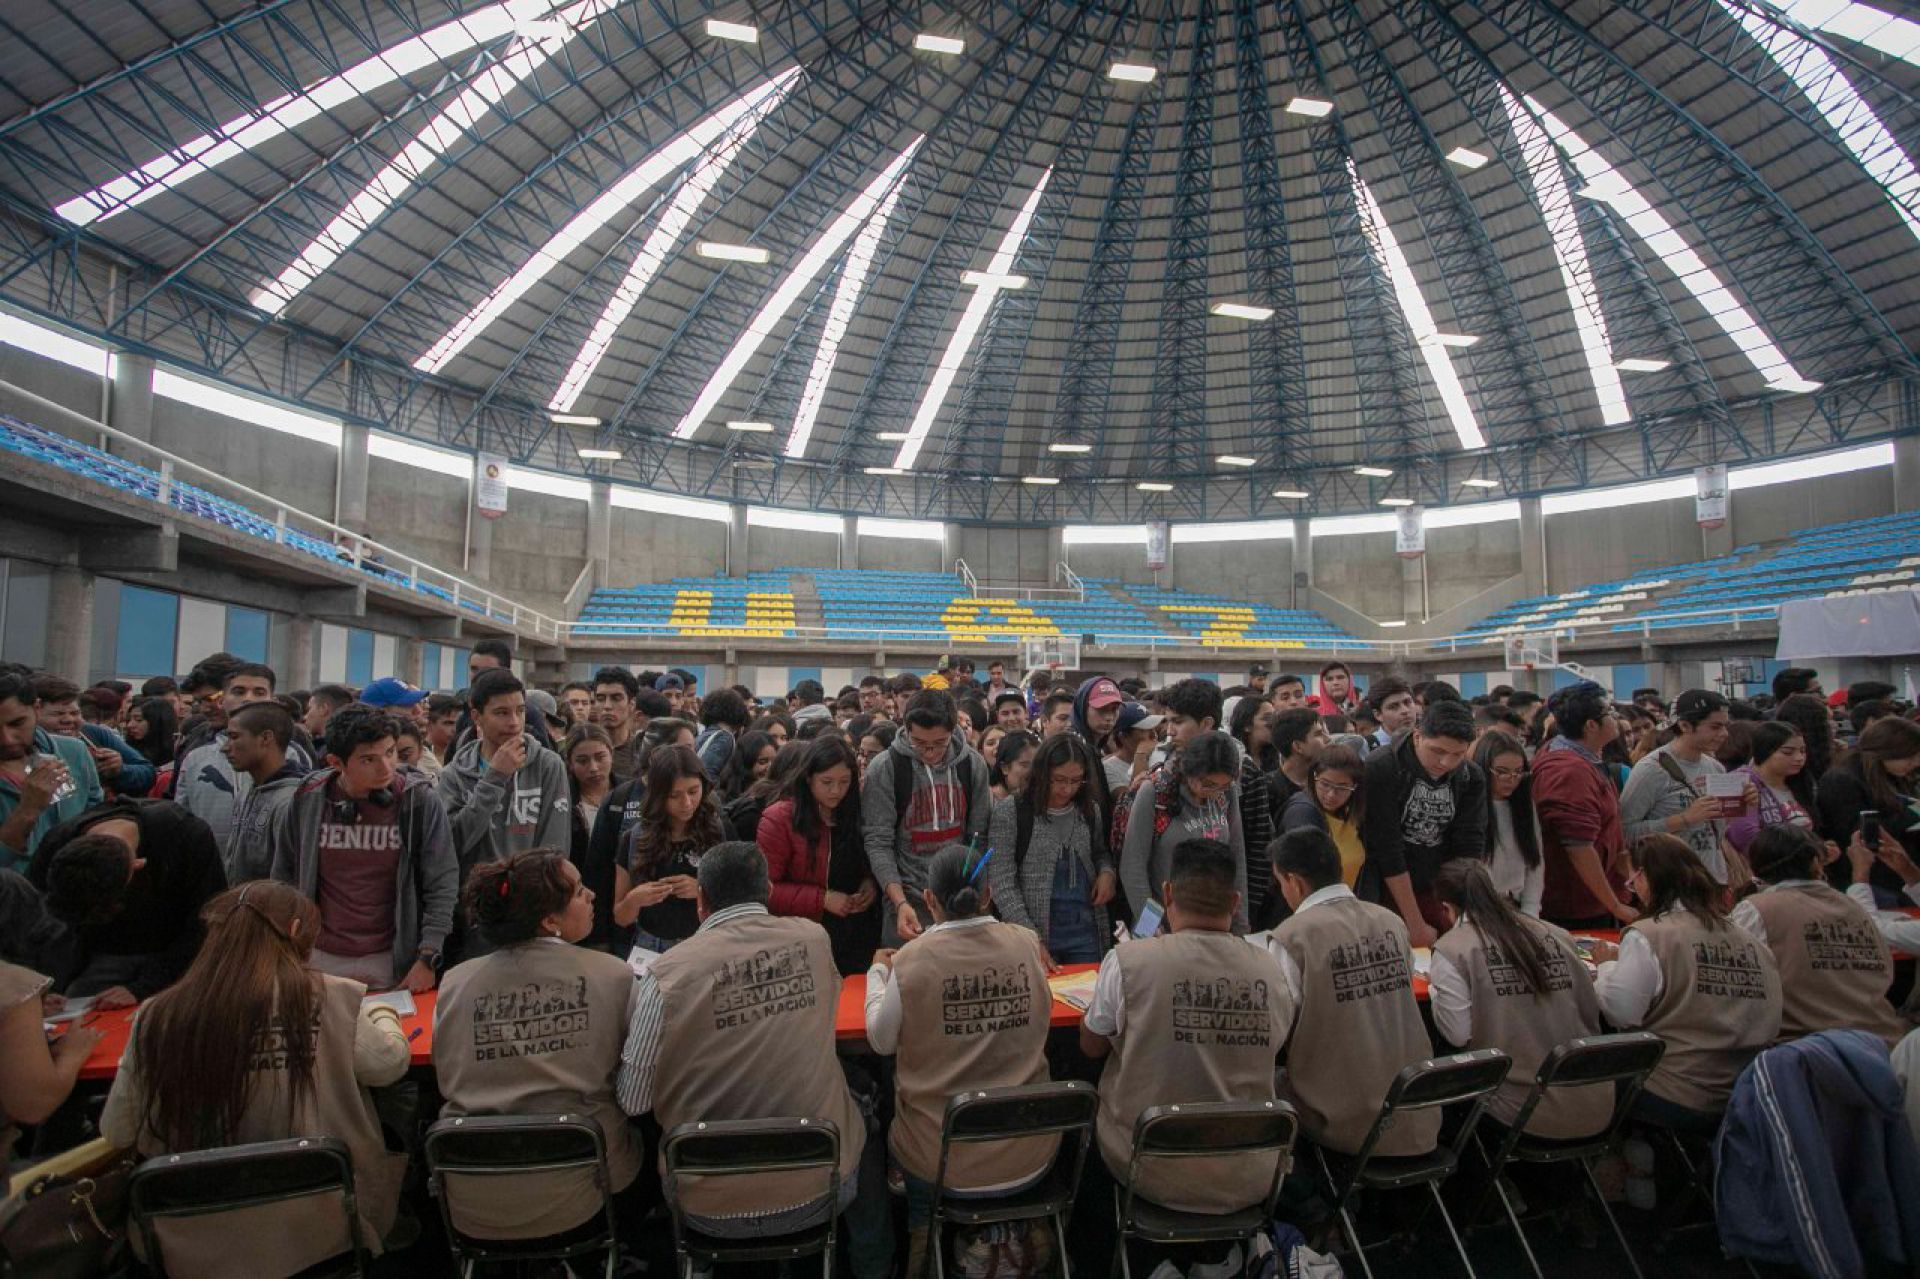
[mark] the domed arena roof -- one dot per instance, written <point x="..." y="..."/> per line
<point x="999" y="260"/>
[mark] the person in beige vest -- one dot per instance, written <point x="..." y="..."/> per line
<point x="1502" y="979"/>
<point x="1685" y="973"/>
<point x="34" y="1076"/>
<point x="1835" y="967"/>
<point x="252" y="1045"/>
<point x="1192" y="1015"/>
<point x="536" y="1027"/>
<point x="1348" y="974"/>
<point x="736" y="1022"/>
<point x="964" y="1005"/>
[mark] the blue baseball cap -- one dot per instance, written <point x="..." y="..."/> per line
<point x="391" y="692"/>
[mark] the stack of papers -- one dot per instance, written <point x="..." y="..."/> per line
<point x="401" y="1001"/>
<point x="1074" y="989"/>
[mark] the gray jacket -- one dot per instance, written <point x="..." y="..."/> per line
<point x="208" y="786"/>
<point x="492" y="818"/>
<point x="899" y="848"/>
<point x="427" y="882"/>
<point x="1023" y="890"/>
<point x="249" y="853"/>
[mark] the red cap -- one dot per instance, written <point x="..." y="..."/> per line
<point x="1104" y="692"/>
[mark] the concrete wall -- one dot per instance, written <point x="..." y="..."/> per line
<point x="771" y="548"/>
<point x="1261" y="572"/>
<point x="1462" y="562"/>
<point x="296" y="471"/>
<point x="539" y="546"/>
<point x="1006" y="554"/>
<point x="65" y="385"/>
<point x="900" y="555"/>
<point x="1127" y="563"/>
<point x="658" y="548"/>
<point x="420" y="512"/>
<point x="1777" y="510"/>
<point x="1605" y="545"/>
<point x="1360" y="570"/>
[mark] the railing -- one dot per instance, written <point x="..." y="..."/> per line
<point x="1063" y="573"/>
<point x="967" y="579"/>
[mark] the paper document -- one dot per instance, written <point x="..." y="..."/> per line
<point x="1074" y="989"/>
<point x="74" y="1010"/>
<point x="401" y="1001"/>
<point x="1422" y="960"/>
<point x="640" y="959"/>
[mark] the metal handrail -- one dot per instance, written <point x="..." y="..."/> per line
<point x="967" y="578"/>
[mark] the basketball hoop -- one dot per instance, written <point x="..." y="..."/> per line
<point x="1050" y="651"/>
<point x="1525" y="652"/>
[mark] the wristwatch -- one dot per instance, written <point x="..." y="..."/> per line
<point x="428" y="956"/>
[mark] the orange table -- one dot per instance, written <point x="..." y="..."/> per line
<point x="850" y="1015"/>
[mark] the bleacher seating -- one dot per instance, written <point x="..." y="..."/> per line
<point x="1224" y="623"/>
<point x="759" y="606"/>
<point x="91" y="463"/>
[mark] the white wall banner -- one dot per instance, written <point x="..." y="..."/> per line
<point x="490" y="485"/>
<point x="1410" y="537"/>
<point x="1710" y="495"/>
<point x="1158" y="535"/>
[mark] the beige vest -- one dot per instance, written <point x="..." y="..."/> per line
<point x="1205" y="1017"/>
<point x="1357" y="1026"/>
<point x="282" y="1239"/>
<point x="17" y="986"/>
<point x="1719" y="1004"/>
<point x="535" y="1029"/>
<point x="974" y="1011"/>
<point x="1834" y="965"/>
<point x="1527" y="1025"/>
<point x="748" y="1034"/>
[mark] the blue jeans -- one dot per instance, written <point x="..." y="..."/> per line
<point x="1072" y="937"/>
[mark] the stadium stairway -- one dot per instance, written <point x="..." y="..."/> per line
<point x="806" y="603"/>
<point x="1119" y="591"/>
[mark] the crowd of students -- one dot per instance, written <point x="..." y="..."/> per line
<point x="688" y="875"/>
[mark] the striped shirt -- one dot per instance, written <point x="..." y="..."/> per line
<point x="641" y="1055"/>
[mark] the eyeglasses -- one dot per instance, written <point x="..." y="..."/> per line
<point x="1065" y="783"/>
<point x="1201" y="786"/>
<point x="1510" y="774"/>
<point x="1335" y="788"/>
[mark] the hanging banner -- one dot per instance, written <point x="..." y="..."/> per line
<point x="1410" y="539"/>
<point x="490" y="485"/>
<point x="1157" y="536"/>
<point x="1710" y="495"/>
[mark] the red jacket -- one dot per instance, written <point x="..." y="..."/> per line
<point x="796" y="871"/>
<point x="1576" y="804"/>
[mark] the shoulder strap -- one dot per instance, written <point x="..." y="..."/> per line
<point x="1672" y="770"/>
<point x="902" y="789"/>
<point x="1023" y="830"/>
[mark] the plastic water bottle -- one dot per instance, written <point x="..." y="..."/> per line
<point x="1640" y="1185"/>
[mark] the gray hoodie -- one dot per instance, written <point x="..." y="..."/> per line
<point x="207" y="785"/>
<point x="493" y="818"/>
<point x="249" y="853"/>
<point x="427" y="882"/>
<point x="940" y="811"/>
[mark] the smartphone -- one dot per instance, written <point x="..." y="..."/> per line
<point x="1148" y="924"/>
<point x="1870" y="830"/>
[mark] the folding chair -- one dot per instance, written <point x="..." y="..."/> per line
<point x="1003" y="1114"/>
<point x="1622" y="1060"/>
<point x="1212" y="1128"/>
<point x="208" y="1183"/>
<point x="486" y="1147"/>
<point x="1425" y="1085"/>
<point x="746" y="1148"/>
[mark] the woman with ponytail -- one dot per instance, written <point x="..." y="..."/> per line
<point x="534" y="909"/>
<point x="1684" y="973"/>
<point x="963" y="1005"/>
<point x="252" y="1045"/>
<point x="1503" y="979"/>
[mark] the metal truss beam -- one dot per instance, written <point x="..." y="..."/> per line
<point x="1178" y="401"/>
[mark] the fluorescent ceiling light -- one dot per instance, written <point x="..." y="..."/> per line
<point x="1383" y="625"/>
<point x="1413" y="306"/>
<point x="1376" y="472"/>
<point x="1039" y="479"/>
<point x="751" y="428"/>
<point x="883" y="470"/>
<point x="988" y="280"/>
<point x="1452" y="339"/>
<point x="1480" y="484"/>
<point x="732" y="252"/>
<point x="1396" y="501"/>
<point x="647" y="174"/>
<point x="1242" y="311"/>
<point x="1316" y="108"/>
<point x="1292" y="495"/>
<point x="1634" y="364"/>
<point x="1235" y="459"/>
<point x="929" y="43"/>
<point x="1549" y="183"/>
<point x="1069" y="448"/>
<point x="457" y="122"/>
<point x="1344" y="525"/>
<point x="1862" y="23"/>
<point x="573" y="419"/>
<point x="281" y="115"/>
<point x="1135" y="72"/>
<point x="245" y="408"/>
<point x="1467" y="158"/>
<point x="1153" y="486"/>
<point x="600" y="455"/>
<point x="1605" y="183"/>
<point x="661" y="242"/>
<point x="890" y="437"/>
<point x="788" y="291"/>
<point x="968" y="328"/>
<point x="846" y="296"/>
<point x="740" y="31"/>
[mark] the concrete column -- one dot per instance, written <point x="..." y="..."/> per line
<point x="130" y="406"/>
<point x="480" y="549"/>
<point x="850" y="541"/>
<point x="600" y="530"/>
<point x="950" y="547"/>
<point x="413" y="652"/>
<point x="70" y="623"/>
<point x="1906" y="473"/>
<point x="350" y="505"/>
<point x="1533" y="546"/>
<point x="303" y="652"/>
<point x="1302" y="562"/>
<point x="736" y="541"/>
<point x="1413" y="589"/>
<point x="1056" y="549"/>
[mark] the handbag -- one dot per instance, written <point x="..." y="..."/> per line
<point x="67" y="1218"/>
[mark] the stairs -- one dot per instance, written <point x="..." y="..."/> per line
<point x="807" y="614"/>
<point x="1155" y="618"/>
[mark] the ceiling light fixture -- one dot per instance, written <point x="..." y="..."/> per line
<point x="1242" y="311"/>
<point x="1480" y="484"/>
<point x="731" y="252"/>
<point x="1133" y="72"/>
<point x="1467" y="158"/>
<point x="1235" y="459"/>
<point x="1452" y="339"/>
<point x="926" y="42"/>
<point x="1396" y="501"/>
<point x="573" y="419"/>
<point x="1153" y="486"/>
<point x="599" y="455"/>
<point x="890" y="437"/>
<point x="1795" y="385"/>
<point x="751" y="428"/>
<point x="1375" y="472"/>
<point x="1634" y="364"/>
<point x="883" y="470"/>
<point x="991" y="280"/>
<point x="1292" y="494"/>
<point x="1039" y="479"/>
<point x="1401" y="622"/>
<point x="1315" y="108"/>
<point x="1069" y="448"/>
<point x="740" y="31"/>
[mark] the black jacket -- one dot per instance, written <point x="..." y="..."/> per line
<point x="1390" y="773"/>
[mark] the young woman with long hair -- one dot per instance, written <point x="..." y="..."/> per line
<point x="1196" y="795"/>
<point x="751" y="759"/>
<point x="588" y="752"/>
<point x="153" y="727"/>
<point x="1539" y="997"/>
<point x="1059" y="881"/>
<point x="1881" y="774"/>
<point x="252" y="1045"/>
<point x="653" y="881"/>
<point x="1783" y="794"/>
<point x="1335" y="801"/>
<point x="744" y="811"/>
<point x="775" y="724"/>
<point x="1513" y="833"/>
<point x="874" y="741"/>
<point x="1683" y="972"/>
<point x="1810" y="715"/>
<point x="1011" y="763"/>
<point x="816" y="858"/>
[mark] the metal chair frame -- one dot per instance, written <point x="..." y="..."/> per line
<point x="787" y="1145"/>
<point x="446" y="1135"/>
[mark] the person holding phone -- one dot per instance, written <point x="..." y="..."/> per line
<point x="654" y="880"/>
<point x="1878" y="776"/>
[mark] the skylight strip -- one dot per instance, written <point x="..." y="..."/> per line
<point x="1862" y="23"/>
<point x="846" y="296"/>
<point x="1844" y="110"/>
<point x="811" y="263"/>
<point x="1414" y="307"/>
<point x="398" y="176"/>
<point x="661" y="243"/>
<point x="392" y="448"/>
<point x="245" y="408"/>
<point x="648" y="173"/>
<point x="1570" y="251"/>
<point x="53" y="344"/>
<point x="1606" y="183"/>
<point x="284" y="114"/>
<point x="969" y="328"/>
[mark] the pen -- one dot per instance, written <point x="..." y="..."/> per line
<point x="415" y="1033"/>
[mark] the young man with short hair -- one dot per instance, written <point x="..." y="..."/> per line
<point x="1010" y="710"/>
<point x="1796" y="679"/>
<point x="615" y="695"/>
<point x="1299" y="735"/>
<point x="996" y="682"/>
<point x="1129" y="746"/>
<point x="257" y="743"/>
<point x="495" y="654"/>
<point x="723" y="717"/>
<point x="44" y="780"/>
<point x="674" y="689"/>
<point x="205" y="782"/>
<point x="504" y="792"/>
<point x="928" y="789"/>
<point x="1392" y="702"/>
<point x="1194" y="706"/>
<point x="1287" y="692"/>
<point x="576" y="699"/>
<point x="1257" y="680"/>
<point x="370" y="845"/>
<point x="443" y="724"/>
<point x="808" y="701"/>
<point x="322" y="702"/>
<point x="873" y="696"/>
<point x="1056" y="714"/>
<point x="121" y="769"/>
<point x="1426" y="804"/>
<point x="1582" y="845"/>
